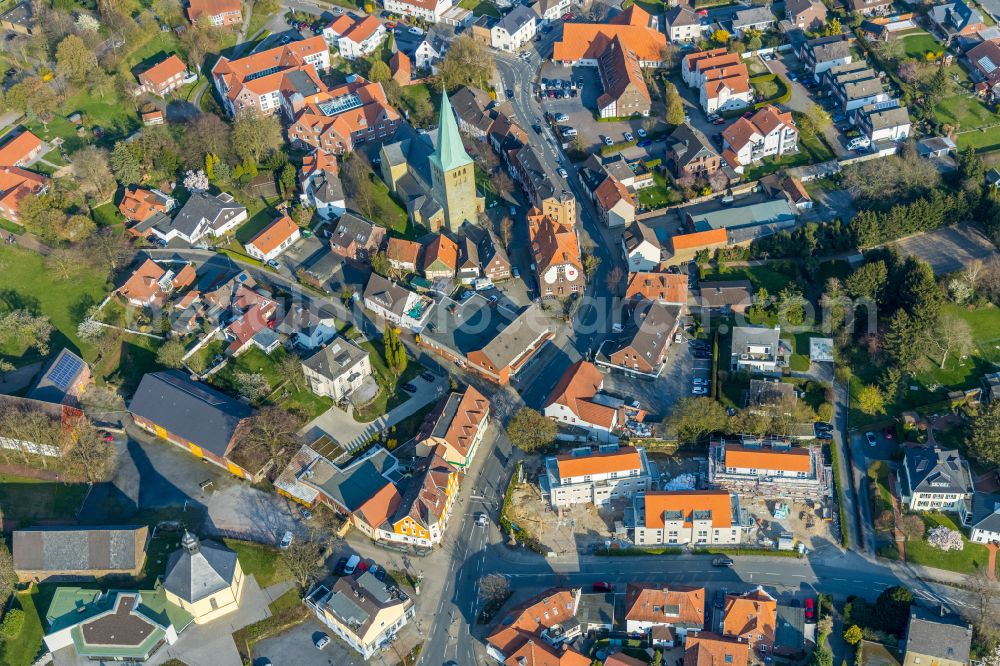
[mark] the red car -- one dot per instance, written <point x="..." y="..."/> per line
<point x="390" y="25"/>
<point x="363" y="566"/>
<point x="810" y="609"/>
<point x="702" y="12"/>
<point x="568" y="16"/>
<point x="604" y="587"/>
<point x="888" y="432"/>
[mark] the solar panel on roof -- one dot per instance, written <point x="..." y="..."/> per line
<point x="340" y="104"/>
<point x="987" y="64"/>
<point x="65" y="369"/>
<point x="261" y="74"/>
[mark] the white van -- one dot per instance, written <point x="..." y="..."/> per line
<point x="352" y="564"/>
<point x="859" y="142"/>
<point x="482" y="284"/>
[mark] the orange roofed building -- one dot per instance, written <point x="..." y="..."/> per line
<point x="774" y="470"/>
<point x="583" y="43"/>
<point x="577" y="401"/>
<point x="556" y="252"/>
<point x="753" y="618"/>
<point x="722" y="80"/>
<point x="456" y="426"/>
<point x="273" y="239"/>
<point x="425" y="507"/>
<point x="527" y="631"/>
<point x="21" y="150"/>
<point x="596" y="477"/>
<point x="15" y="184"/>
<point x="164" y="77"/>
<point x="151" y="283"/>
<point x="678" y="517"/>
<point x="666" y="288"/>
<point x="140" y="204"/>
<point x="707" y="649"/>
<point x="681" y="608"/>
<point x="220" y="13"/>
<point x="341" y="118"/>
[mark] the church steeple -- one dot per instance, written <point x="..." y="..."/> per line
<point x="450" y="153"/>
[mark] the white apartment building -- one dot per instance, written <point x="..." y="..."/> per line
<point x="597" y="477"/>
<point x="768" y="133"/>
<point x="514" y="30"/>
<point x="362" y="39"/>
<point x="338" y="369"/>
<point x="681" y="517"/>
<point x="429" y="10"/>
<point x="757" y="349"/>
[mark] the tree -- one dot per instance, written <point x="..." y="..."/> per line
<point x="821" y="656"/>
<point x="255" y="135"/>
<point x="268" y="441"/>
<point x="195" y="181"/>
<point x="358" y="186"/>
<point x="853" y="635"/>
<point x="290" y="367"/>
<point x="91" y="457"/>
<point x="615" y="279"/>
<point x="720" y="36"/>
<point x="919" y="293"/>
<point x="251" y="385"/>
<point x="171" y="354"/>
<point x="75" y="60"/>
<point x="590" y="264"/>
<point x="64" y="262"/>
<point x="35" y="97"/>
<point x="951" y="336"/>
<point x="170" y="10"/>
<point x="111" y="248"/>
<point x="92" y="171"/>
<point x="892" y="608"/>
<point x="8" y="579"/>
<point x="467" y="62"/>
<point x="900" y="341"/>
<point x="675" y="106"/>
<point x="126" y="163"/>
<point x="20" y="326"/>
<point x="912" y="526"/>
<point x="815" y="119"/>
<point x="286" y="181"/>
<point x="494" y="589"/>
<point x="395" y="351"/>
<point x="530" y="431"/>
<point x="379" y="72"/>
<point x="694" y="418"/>
<point x="380" y="264"/>
<point x="832" y="28"/>
<point x="304" y="560"/>
<point x="657" y="658"/>
<point x="983" y="440"/>
<point x="871" y="401"/>
<point x="206" y="135"/>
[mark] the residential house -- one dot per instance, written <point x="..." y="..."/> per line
<point x="641" y="247"/>
<point x="63" y="381"/>
<point x="403" y="255"/>
<point x="536" y="631"/>
<point x="886" y="121"/>
<point x="473" y="111"/>
<point x="319" y="179"/>
<point x="363" y="611"/>
<point x="550" y="10"/>
<point x="869" y="7"/>
<point x="218" y="13"/>
<point x="641" y="348"/>
<point x="150" y="284"/>
<point x="690" y="153"/>
<point x="456" y="427"/>
<point x="15" y="184"/>
<point x="755" y="18"/>
<point x="726" y="296"/>
<point x="806" y="14"/>
<point x="260" y="80"/>
<point x="247" y="319"/>
<point x="339" y="119"/>
<point x="204" y="578"/>
<point x="679" y="517"/>
<point x="751" y="617"/>
<point x="273" y="239"/>
<point x="164" y="77"/>
<point x="428" y="10"/>
<point x="625" y="91"/>
<point x="681" y="608"/>
<point x="790" y="638"/>
<point x="577" y="400"/>
<point x="140" y="204"/>
<point x="767" y="133"/>
<point x="820" y="54"/>
<point x="424" y="50"/>
<point x="936" y="638"/>
<point x="502" y="357"/>
<point x="552" y="199"/>
<point x="985" y="521"/>
<point x="514" y="29"/>
<point x="202" y="215"/>
<point x="21" y="150"/>
<point x="494" y="264"/>
<point x="337" y="369"/>
<point x="722" y="80"/>
<point x="583" y="43"/>
<point x="355" y="238"/>
<point x="401" y="68"/>
<point x="192" y="416"/>
<point x="615" y="202"/>
<point x="396" y="304"/>
<point x="683" y="25"/>
<point x="705" y="647"/>
<point x="772" y="469"/>
<point x="855" y="85"/>
<point x="586" y="476"/>
<point x="20" y="19"/>
<point x="440" y="258"/>
<point x="467" y="266"/>
<point x="308" y="327"/>
<point x="355" y="40"/>
<point x="54" y="554"/>
<point x="426" y="505"/>
<point x="956" y="19"/>
<point x="555" y="250"/>
<point x="985" y="59"/>
<point x="935" y="479"/>
<point x="666" y="288"/>
<point x="758" y="350"/>
<point x="116" y="625"/>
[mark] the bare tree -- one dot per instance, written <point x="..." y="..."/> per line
<point x="972" y="272"/>
<point x="358" y="186"/>
<point x="614" y="279"/>
<point x="304" y="559"/>
<point x="268" y="440"/>
<point x="494" y="588"/>
<point x="91" y="458"/>
<point x="66" y="261"/>
<point x="951" y="336"/>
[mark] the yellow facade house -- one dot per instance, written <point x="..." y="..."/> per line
<point x="426" y="506"/>
<point x="204" y="578"/>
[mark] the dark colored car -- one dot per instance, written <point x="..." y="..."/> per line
<point x="720" y="598"/>
<point x="409" y="388"/>
<point x="537" y="128"/>
<point x="427" y="376"/>
<point x="510" y="93"/>
<point x="603" y="587"/>
<point x="341" y="563"/>
<point x="722" y="561"/>
<point x="824" y="435"/>
<point x="823" y="426"/>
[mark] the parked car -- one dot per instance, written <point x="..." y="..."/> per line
<point x="719" y="121"/>
<point x="363" y="566"/>
<point x="628" y="136"/>
<point x="859" y="142"/>
<point x="722" y="561"/>
<point x="481" y="519"/>
<point x="537" y="128"/>
<point x="568" y="131"/>
<point x="823" y="425"/>
<point x="603" y="587"/>
<point x="510" y="93"/>
<point x="306" y="514"/>
<point x="645" y="142"/>
<point x="352" y="564"/>
<point x="562" y="172"/>
<point x="870" y="436"/>
<point x="427" y="376"/>
<point x="409" y="388"/>
<point x="561" y="117"/>
<point x="810" y="608"/>
<point x="824" y="435"/>
<point x="608" y="141"/>
<point x="321" y="641"/>
<point x="699" y="390"/>
<point x="698" y="381"/>
<point x="515" y="272"/>
<point x="341" y="563"/>
<point x="641" y="132"/>
<point x="719" y="600"/>
<point x="286" y="540"/>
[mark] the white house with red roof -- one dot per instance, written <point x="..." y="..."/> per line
<point x="354" y="38"/>
<point x="273" y="239"/>
<point x="429" y="10"/>
<point x="768" y="133"/>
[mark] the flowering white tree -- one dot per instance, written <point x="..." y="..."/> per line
<point x="87" y="23"/>
<point x="992" y="659"/>
<point x="196" y="181"/>
<point x="943" y="538"/>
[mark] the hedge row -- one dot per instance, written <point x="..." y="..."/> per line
<point x="845" y="536"/>
<point x="616" y="148"/>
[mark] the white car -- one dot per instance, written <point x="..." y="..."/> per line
<point x="561" y="117"/>
<point x="286" y="540"/>
<point x="628" y="136"/>
<point x="562" y="172"/>
<point x="699" y="390"/>
<point x="641" y="132"/>
<point x="858" y="143"/>
<point x="608" y="141"/>
<point x="698" y="381"/>
<point x="415" y="31"/>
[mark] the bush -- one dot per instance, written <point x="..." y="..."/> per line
<point x="12" y="623"/>
<point x="616" y="148"/>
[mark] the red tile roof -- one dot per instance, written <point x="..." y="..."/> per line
<point x="665" y="287"/>
<point x="796" y="459"/>
<point x="752" y="614"/>
<point x="686" y="502"/>
<point x="589" y="40"/>
<point x="17" y="183"/>
<point x="623" y="460"/>
<point x="707" y="649"/>
<point x="677" y="605"/>
<point x="441" y="249"/>
<point x="199" y="8"/>
<point x="17" y="150"/>
<point x="403" y="251"/>
<point x="274" y="234"/>
<point x="160" y="73"/>
<point x="581" y="382"/>
<point x="527" y="621"/>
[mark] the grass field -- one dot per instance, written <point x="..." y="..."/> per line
<point x="22" y="650"/>
<point x="254" y="360"/>
<point x="773" y="277"/>
<point x="917" y="45"/>
<point x="658" y="195"/>
<point x="27" y="284"/>
<point x="390" y="394"/>
<point x="812" y="150"/>
<point x="970" y="558"/>
<point x="28" y="501"/>
<point x="263" y="562"/>
<point x="480" y="7"/>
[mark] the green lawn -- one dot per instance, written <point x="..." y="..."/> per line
<point x="29" y="285"/>
<point x="283" y="394"/>
<point x="22" y="650"/>
<point x="812" y="150"/>
<point x="390" y="214"/>
<point x="659" y="195"/>
<point x="480" y="7"/>
<point x="390" y="394"/>
<point x="108" y="215"/>
<point x="970" y="558"/>
<point x="28" y="501"/>
<point x="774" y="277"/>
<point x="965" y="111"/>
<point x="918" y="44"/>
<point x="263" y="562"/>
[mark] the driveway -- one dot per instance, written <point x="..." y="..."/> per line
<point x="658" y="395"/>
<point x="802" y="99"/>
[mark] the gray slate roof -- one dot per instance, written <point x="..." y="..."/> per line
<point x="752" y="16"/>
<point x="945" y="637"/>
<point x="216" y="209"/>
<point x="388" y="294"/>
<point x="744" y="336"/>
<point x="356" y="601"/>
<point x="516" y="19"/>
<point x="935" y="470"/>
<point x="688" y="142"/>
<point x="789" y="631"/>
<point x="986" y="512"/>
<point x="513" y="340"/>
<point x="339" y="355"/>
<point x="199" y="569"/>
<point x="82" y="549"/>
<point x="59" y="378"/>
<point x="681" y="15"/>
<point x="190" y="410"/>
